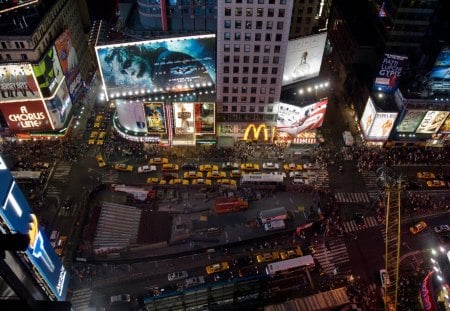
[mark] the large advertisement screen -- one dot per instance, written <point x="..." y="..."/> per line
<point x="17" y="83"/>
<point x="131" y="115"/>
<point x="432" y="122"/>
<point x="294" y="120"/>
<point x="411" y="121"/>
<point x="382" y="125"/>
<point x="445" y="128"/>
<point x="17" y="215"/>
<point x="154" y="114"/>
<point x="26" y="116"/>
<point x="169" y="65"/>
<point x="303" y="58"/>
<point x="440" y="74"/>
<point x="368" y="117"/>
<point x="388" y="77"/>
<point x="48" y="72"/>
<point x="184" y="118"/>
<point x="59" y="106"/>
<point x="204" y="118"/>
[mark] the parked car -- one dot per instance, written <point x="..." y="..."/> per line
<point x="384" y="277"/>
<point x="442" y="228"/>
<point x="290" y="253"/>
<point x="42" y="165"/>
<point x="156" y="181"/>
<point x="235" y="174"/>
<point x="418" y="227"/>
<point x="201" y="181"/>
<point x="178" y="181"/>
<point x="444" y="239"/>
<point x="147" y="169"/>
<point x="179" y="275"/>
<point x="226" y="181"/>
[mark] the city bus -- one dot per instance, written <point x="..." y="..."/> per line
<point x="262" y="179"/>
<point x="290" y="264"/>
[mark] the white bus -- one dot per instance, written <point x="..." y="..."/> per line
<point x="290" y="264"/>
<point x="262" y="179"/>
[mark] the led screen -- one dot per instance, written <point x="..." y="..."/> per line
<point x="178" y="64"/>
<point x="442" y="65"/>
<point x="11" y="5"/>
<point x="303" y="58"/>
<point x="388" y="77"/>
<point x="17" y="83"/>
<point x="382" y="125"/>
<point x="294" y="120"/>
<point x="204" y="118"/>
<point x="59" y="106"/>
<point x="411" y="121"/>
<point x="368" y="117"/>
<point x="184" y="118"/>
<point x="25" y="116"/>
<point x="445" y="128"/>
<point x="131" y="115"/>
<point x="48" y="72"/>
<point x="432" y="122"/>
<point x="154" y="114"/>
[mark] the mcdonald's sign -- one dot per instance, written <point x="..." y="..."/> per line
<point x="256" y="130"/>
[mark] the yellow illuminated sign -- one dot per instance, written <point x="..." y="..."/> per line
<point x="256" y="131"/>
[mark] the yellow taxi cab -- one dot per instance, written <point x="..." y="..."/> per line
<point x="290" y="253"/>
<point x="192" y="175"/>
<point x="59" y="247"/>
<point x="418" y="227"/>
<point x="426" y="175"/>
<point x="101" y="138"/>
<point x="208" y="168"/>
<point x="123" y="167"/>
<point x="249" y="167"/>
<point x="216" y="174"/>
<point x="155" y="181"/>
<point x="436" y="183"/>
<point x="217" y="267"/>
<point x="290" y="167"/>
<point x="201" y="181"/>
<point x="226" y="181"/>
<point x="93" y="137"/>
<point x="169" y="167"/>
<point x="100" y="161"/>
<point x="266" y="257"/>
<point x="98" y="121"/>
<point x="157" y="161"/>
<point x="178" y="181"/>
<point x="235" y="174"/>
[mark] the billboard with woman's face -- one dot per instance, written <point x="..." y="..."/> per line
<point x="368" y="117"/>
<point x="169" y="65"/>
<point x="411" y="121"/>
<point x="432" y="122"/>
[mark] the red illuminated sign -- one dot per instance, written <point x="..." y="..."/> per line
<point x="30" y="115"/>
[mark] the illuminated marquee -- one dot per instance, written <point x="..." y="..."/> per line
<point x="256" y="132"/>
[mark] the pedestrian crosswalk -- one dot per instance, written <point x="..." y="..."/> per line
<point x="352" y="197"/>
<point x="371" y="181"/>
<point x="81" y="298"/>
<point x="322" y="179"/>
<point x="109" y="177"/>
<point x="346" y="153"/>
<point x="333" y="256"/>
<point x="58" y="179"/>
<point x="351" y="225"/>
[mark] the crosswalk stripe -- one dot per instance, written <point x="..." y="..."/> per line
<point x="332" y="255"/>
<point x="371" y="181"/>
<point x="351" y="225"/>
<point x="352" y="197"/>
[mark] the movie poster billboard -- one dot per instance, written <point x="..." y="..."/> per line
<point x="59" y="107"/>
<point x="18" y="217"/>
<point x="445" y="128"/>
<point x="304" y="58"/>
<point x="154" y="115"/>
<point x="17" y="83"/>
<point x="166" y="65"/>
<point x="441" y="66"/>
<point x="204" y="118"/>
<point x="131" y="115"/>
<point x="411" y="121"/>
<point x="382" y="125"/>
<point x="26" y="116"/>
<point x="432" y="122"/>
<point x="368" y="117"/>
<point x="184" y="118"/>
<point x="48" y="72"/>
<point x="294" y="120"/>
<point x="388" y="77"/>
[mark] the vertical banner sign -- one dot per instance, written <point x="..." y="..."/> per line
<point x="204" y="118"/>
<point x="388" y="77"/>
<point x="184" y="118"/>
<point x="154" y="114"/>
<point x="48" y="72"/>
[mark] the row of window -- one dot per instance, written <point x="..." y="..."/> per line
<point x="254" y="80"/>
<point x="244" y="89"/>
<point x="8" y="57"/>
<point x="197" y="11"/>
<point x="249" y="24"/>
<point x="242" y="117"/>
<point x="245" y="99"/>
<point x="259" y="12"/>
<point x="255" y="60"/>
<point x="255" y="70"/>
<point x="242" y="108"/>
<point x="256" y="1"/>
<point x="256" y="49"/>
<point x="257" y="36"/>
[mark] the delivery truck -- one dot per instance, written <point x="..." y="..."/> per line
<point x="274" y="225"/>
<point x="269" y="215"/>
<point x="230" y="204"/>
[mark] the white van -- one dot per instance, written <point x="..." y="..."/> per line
<point x="274" y="225"/>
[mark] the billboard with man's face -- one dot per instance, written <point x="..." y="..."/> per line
<point x="48" y="72"/>
<point x="154" y="115"/>
<point x="432" y="122"/>
<point x="26" y="116"/>
<point x="168" y="65"/>
<point x="204" y="118"/>
<point x="304" y="58"/>
<point x="411" y="121"/>
<point x="17" y="83"/>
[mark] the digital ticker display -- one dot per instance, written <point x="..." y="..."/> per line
<point x="17" y="215"/>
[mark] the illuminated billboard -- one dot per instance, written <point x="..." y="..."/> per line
<point x="432" y="122"/>
<point x="167" y="65"/>
<point x="388" y="77"/>
<point x="131" y="115"/>
<point x="204" y="118"/>
<point x="368" y="117"/>
<point x="17" y="83"/>
<point x="18" y="217"/>
<point x="303" y="58"/>
<point x="445" y="128"/>
<point x="154" y="115"/>
<point x="382" y="125"/>
<point x="183" y="114"/>
<point x="59" y="106"/>
<point x="6" y="6"/>
<point x="48" y="72"/>
<point x="411" y="121"/>
<point x="26" y="116"/>
<point x="440" y="74"/>
<point x="294" y="120"/>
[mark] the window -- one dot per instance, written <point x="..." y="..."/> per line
<point x="248" y="36"/>
<point x="236" y="59"/>
<point x="237" y="24"/>
<point x="265" y="59"/>
<point x="17" y="45"/>
<point x="275" y="60"/>
<point x="235" y="89"/>
<point x="270" y="13"/>
<point x="255" y="59"/>
<point x="245" y="68"/>
<point x="257" y="37"/>
<point x="271" y="100"/>
<point x="309" y="10"/>
<point x="227" y="1"/>
<point x="252" y="108"/>
<point x="282" y="1"/>
<point x="225" y="108"/>
<point x="270" y="109"/>
<point x="273" y="80"/>
<point x="226" y="79"/>
<point x="257" y="48"/>
<point x="245" y="79"/>
<point x="249" y="1"/>
<point x="23" y="56"/>
<point x="8" y="56"/>
<point x="254" y="80"/>
<point x="259" y="24"/>
<point x="272" y="90"/>
<point x="234" y="99"/>
<point x="3" y="45"/>
<point x="244" y="90"/>
<point x="266" y="48"/>
<point x="243" y="109"/>
<point x="248" y="25"/>
<point x="244" y="99"/>
<point x="237" y="36"/>
<point x="246" y="59"/>
<point x="238" y="12"/>
<point x="246" y="48"/>
<point x="227" y="24"/>
<point x="260" y="108"/>
<point x="226" y="48"/>
<point x="227" y="12"/>
<point x="236" y="69"/>
<point x="281" y="13"/>
<point x="226" y="69"/>
<point x="225" y="89"/>
<point x="233" y="108"/>
<point x="280" y="25"/>
<point x="259" y="12"/>
<point x="253" y="99"/>
<point x="255" y="70"/>
<point x="262" y="99"/>
<point x="265" y="70"/>
<point x="226" y="36"/>
<point x="226" y="58"/>
<point x="274" y="70"/>
<point x="261" y="1"/>
<point x="263" y="80"/>
<point x="249" y="12"/>
<point x="278" y="37"/>
<point x="237" y="47"/>
<point x="253" y="90"/>
<point x="268" y="36"/>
